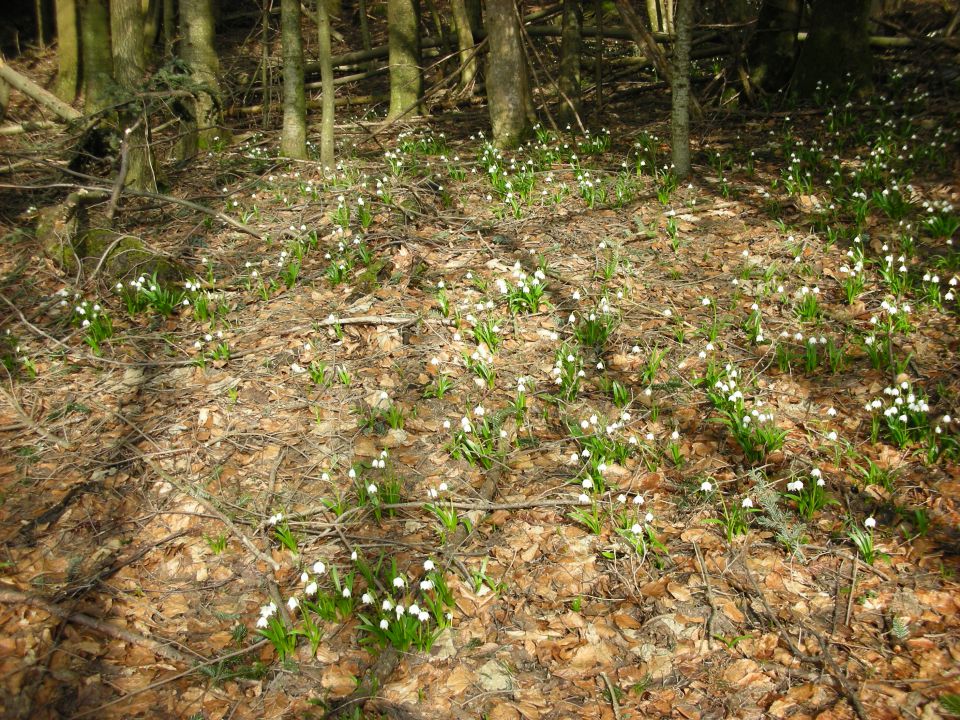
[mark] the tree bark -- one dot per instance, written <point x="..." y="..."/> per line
<point x="570" y="46"/>
<point x="96" y="60"/>
<point x="508" y="85"/>
<point x="838" y="46"/>
<point x="327" y="88"/>
<point x="680" y="90"/>
<point x="32" y="90"/>
<point x="293" y="137"/>
<point x="406" y="84"/>
<point x="129" y="63"/>
<point x="468" y="60"/>
<point x="68" y="51"/>
<point x="197" y="36"/>
<point x="772" y="50"/>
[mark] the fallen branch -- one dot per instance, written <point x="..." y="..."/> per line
<point x="213" y="510"/>
<point x="27" y="126"/>
<point x="12" y="596"/>
<point x="29" y="88"/>
<point x="824" y="660"/>
<point x="30" y="422"/>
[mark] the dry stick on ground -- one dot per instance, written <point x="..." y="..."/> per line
<point x="853" y="589"/>
<point x="614" y="703"/>
<point x="177" y="676"/>
<point x="824" y="660"/>
<point x="30" y="422"/>
<point x="213" y="510"/>
<point x="709" y="590"/>
<point x="377" y="675"/>
<point x="12" y="596"/>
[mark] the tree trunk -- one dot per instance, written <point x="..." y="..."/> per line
<point x="129" y="63"/>
<point x="326" y="80"/>
<point x="772" y="49"/>
<point x="198" y="51"/>
<point x="680" y="87"/>
<point x="96" y="61"/>
<point x="403" y="22"/>
<point x="38" y="13"/>
<point x="468" y="60"/>
<point x="68" y="51"/>
<point x="293" y="137"/>
<point x="570" y="42"/>
<point x="838" y="46"/>
<point x="508" y="86"/>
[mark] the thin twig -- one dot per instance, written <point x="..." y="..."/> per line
<point x="853" y="589"/>
<point x="614" y="703"/>
<point x="713" y="607"/>
<point x="30" y="422"/>
<point x="213" y="510"/>
<point x="12" y="596"/>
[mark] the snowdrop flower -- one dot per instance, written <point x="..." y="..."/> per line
<point x="384" y="624"/>
<point x="746" y="503"/>
<point x="870" y="523"/>
<point x="346" y="592"/>
<point x="428" y="565"/>
<point x="706" y="486"/>
<point x="399" y="582"/>
<point x="638" y="500"/>
<point x="675" y="435"/>
<point x="584" y="499"/>
<point x="413" y="610"/>
<point x="636" y="529"/>
<point x="293" y="603"/>
<point x="426" y="585"/>
<point x="319" y="568"/>
<point x="795" y="486"/>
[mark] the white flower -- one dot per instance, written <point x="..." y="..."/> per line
<point x="795" y="486"/>
<point x="384" y="624"/>
<point x="319" y="568"/>
<point x="262" y="621"/>
<point x="311" y="589"/>
<point x="870" y="522"/>
<point x="636" y="529"/>
<point x="398" y="582"/>
<point x="426" y="584"/>
<point x="293" y="603"/>
<point x="423" y="616"/>
<point x="346" y="592"/>
<point x="584" y="499"/>
<point x="638" y="500"/>
<point x="428" y="565"/>
<point x="746" y="503"/>
<point x="706" y="486"/>
<point x="366" y="598"/>
<point x="387" y="606"/>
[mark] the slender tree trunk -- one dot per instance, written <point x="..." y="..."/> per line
<point x="666" y="8"/>
<point x="772" y="49"/>
<point x="598" y="68"/>
<point x="468" y="60"/>
<point x="127" y="42"/>
<point x="96" y="60"/>
<point x="570" y="47"/>
<point x="680" y="87"/>
<point x="68" y="50"/>
<point x="265" y="61"/>
<point x="38" y="13"/>
<point x="403" y="22"/>
<point x="508" y="85"/>
<point x="326" y="82"/>
<point x="364" y="28"/>
<point x="653" y="15"/>
<point x="197" y="32"/>
<point x="293" y="137"/>
<point x="837" y="50"/>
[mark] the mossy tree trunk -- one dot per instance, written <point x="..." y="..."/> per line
<point x="837" y="50"/>
<point x="508" y="84"/>
<point x="169" y="27"/>
<point x="129" y="64"/>
<point x="772" y="50"/>
<point x="197" y="34"/>
<point x="293" y="137"/>
<point x="468" y="59"/>
<point x="406" y="83"/>
<point x="326" y="82"/>
<point x="570" y="48"/>
<point x="68" y="51"/>
<point x="680" y="90"/>
<point x="96" y="60"/>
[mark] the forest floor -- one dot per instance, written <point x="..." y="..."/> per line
<point x="600" y="405"/>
